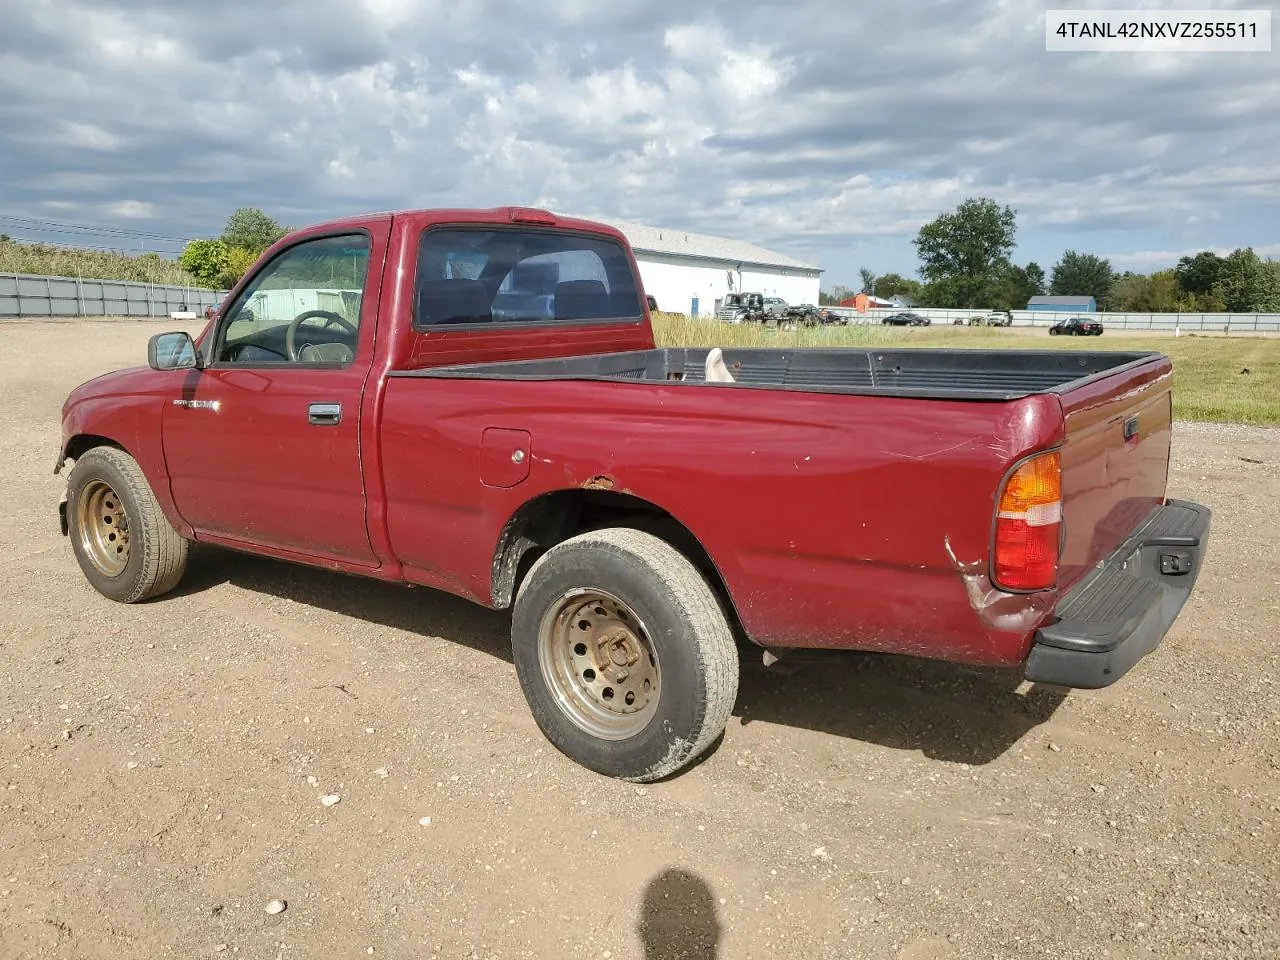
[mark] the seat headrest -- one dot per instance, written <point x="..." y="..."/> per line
<point x="454" y="301"/>
<point x="581" y="300"/>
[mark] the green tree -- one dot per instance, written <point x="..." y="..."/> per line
<point x="868" y="280"/>
<point x="238" y="262"/>
<point x="1035" y="277"/>
<point x="891" y="285"/>
<point x="1016" y="286"/>
<point x="1082" y="275"/>
<point x="1249" y="284"/>
<point x="1160" y="293"/>
<point x="205" y="260"/>
<point x="1128" y="290"/>
<point x="252" y="229"/>
<point x="954" y="293"/>
<point x="1210" y="302"/>
<point x="963" y="253"/>
<point x="1198" y="274"/>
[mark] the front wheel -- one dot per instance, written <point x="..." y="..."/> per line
<point x="126" y="548"/>
<point x="624" y="654"/>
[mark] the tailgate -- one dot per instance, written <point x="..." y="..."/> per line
<point x="1115" y="462"/>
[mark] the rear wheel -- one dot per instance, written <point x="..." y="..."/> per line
<point x="125" y="547"/>
<point x="624" y="654"/>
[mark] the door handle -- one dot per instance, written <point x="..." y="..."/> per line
<point x="324" y="414"/>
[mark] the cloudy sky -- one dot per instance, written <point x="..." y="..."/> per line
<point x="830" y="131"/>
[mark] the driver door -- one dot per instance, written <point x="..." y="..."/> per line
<point x="263" y="444"/>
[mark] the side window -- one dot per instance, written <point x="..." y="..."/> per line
<point x="483" y="276"/>
<point x="303" y="307"/>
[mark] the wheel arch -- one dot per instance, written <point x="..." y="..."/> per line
<point x="551" y="518"/>
<point x="75" y="447"/>
<point x="79" y="444"/>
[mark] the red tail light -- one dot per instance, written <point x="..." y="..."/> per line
<point x="1029" y="526"/>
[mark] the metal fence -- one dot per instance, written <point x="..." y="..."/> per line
<point x="1227" y="323"/>
<point x="25" y="295"/>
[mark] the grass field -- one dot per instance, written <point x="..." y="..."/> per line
<point x="1209" y="379"/>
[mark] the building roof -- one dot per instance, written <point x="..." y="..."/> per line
<point x="1061" y="301"/>
<point x="682" y="243"/>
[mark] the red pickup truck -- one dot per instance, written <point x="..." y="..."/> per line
<point x="472" y="400"/>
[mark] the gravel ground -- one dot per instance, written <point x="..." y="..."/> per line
<point x="162" y="768"/>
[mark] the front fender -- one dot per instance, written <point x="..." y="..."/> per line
<point x="128" y="420"/>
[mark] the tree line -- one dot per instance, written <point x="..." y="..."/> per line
<point x="219" y="263"/>
<point x="966" y="262"/>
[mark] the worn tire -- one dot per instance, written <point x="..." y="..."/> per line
<point x="683" y="621"/>
<point x="157" y="553"/>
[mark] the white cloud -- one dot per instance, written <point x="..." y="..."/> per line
<point x="131" y="209"/>
<point x="1142" y="261"/>
<point x="796" y="127"/>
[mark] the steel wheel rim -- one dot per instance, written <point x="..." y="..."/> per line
<point x="599" y="664"/>
<point x="104" y="528"/>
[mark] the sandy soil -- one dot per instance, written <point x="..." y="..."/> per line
<point x="161" y="767"/>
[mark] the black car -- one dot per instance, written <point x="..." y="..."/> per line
<point x="906" y="320"/>
<point x="1076" y="327"/>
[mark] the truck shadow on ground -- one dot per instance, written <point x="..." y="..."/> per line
<point x="946" y="711"/>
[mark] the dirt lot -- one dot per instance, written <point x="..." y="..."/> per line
<point x="163" y="764"/>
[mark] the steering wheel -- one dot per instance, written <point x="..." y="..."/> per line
<point x="290" y="336"/>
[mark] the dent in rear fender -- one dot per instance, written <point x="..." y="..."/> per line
<point x="1004" y="612"/>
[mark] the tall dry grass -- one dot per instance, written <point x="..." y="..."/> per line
<point x="45" y="260"/>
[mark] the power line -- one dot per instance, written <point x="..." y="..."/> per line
<point x="89" y="236"/>
<point x="60" y="227"/>
<point x="127" y="251"/>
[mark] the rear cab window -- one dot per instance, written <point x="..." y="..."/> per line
<point x="520" y="276"/>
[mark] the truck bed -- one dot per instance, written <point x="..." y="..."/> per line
<point x="922" y="373"/>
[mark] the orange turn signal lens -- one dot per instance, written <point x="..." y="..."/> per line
<point x="1028" y="526"/>
<point x="1037" y="483"/>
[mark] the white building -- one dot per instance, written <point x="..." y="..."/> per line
<point x="690" y="272"/>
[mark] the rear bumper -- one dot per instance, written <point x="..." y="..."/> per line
<point x="1121" y="610"/>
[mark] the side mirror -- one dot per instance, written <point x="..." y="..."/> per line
<point x="172" y="351"/>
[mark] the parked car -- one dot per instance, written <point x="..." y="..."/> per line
<point x="1076" y="327"/>
<point x="742" y="308"/>
<point x="995" y="318"/>
<point x="774" y="307"/>
<point x="906" y="320"/>
<point x="805" y="313"/>
<point x="787" y="498"/>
